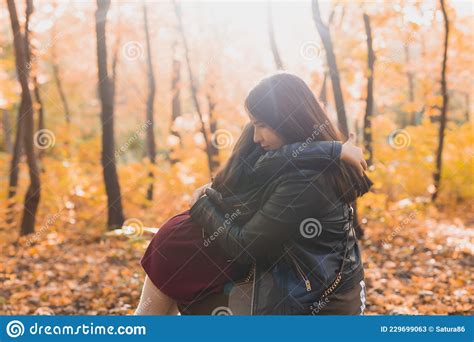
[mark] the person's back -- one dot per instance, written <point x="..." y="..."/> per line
<point x="298" y="239"/>
<point x="310" y="258"/>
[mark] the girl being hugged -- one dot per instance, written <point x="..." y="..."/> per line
<point x="277" y="214"/>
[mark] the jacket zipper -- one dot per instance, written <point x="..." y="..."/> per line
<point x="253" y="288"/>
<point x="300" y="270"/>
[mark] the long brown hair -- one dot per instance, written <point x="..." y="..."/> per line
<point x="285" y="103"/>
<point x="245" y="153"/>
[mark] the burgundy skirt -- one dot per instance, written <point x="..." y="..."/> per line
<point x="184" y="266"/>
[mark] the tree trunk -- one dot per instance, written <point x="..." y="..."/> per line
<point x="468" y="104"/>
<point x="176" y="102"/>
<point x="323" y="94"/>
<point x="411" y="86"/>
<point x="26" y="40"/>
<point x="7" y="131"/>
<point x="425" y="92"/>
<point x="325" y="35"/>
<point x="58" y="81"/>
<point x="370" y="92"/>
<point x="39" y="101"/>
<point x="30" y="59"/>
<point x="444" y="92"/>
<point x="213" y="128"/>
<point x="115" y="55"/>
<point x="62" y="95"/>
<point x="14" y="168"/>
<point x="271" y="34"/>
<point x="25" y="121"/>
<point x="115" y="217"/>
<point x="333" y="69"/>
<point x="150" y="135"/>
<point x="193" y="87"/>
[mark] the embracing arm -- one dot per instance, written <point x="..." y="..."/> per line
<point x="317" y="154"/>
<point x="303" y="154"/>
<point x="292" y="201"/>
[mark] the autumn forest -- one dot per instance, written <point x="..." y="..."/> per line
<point x="114" y="112"/>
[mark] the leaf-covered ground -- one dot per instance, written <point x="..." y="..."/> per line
<point x="420" y="266"/>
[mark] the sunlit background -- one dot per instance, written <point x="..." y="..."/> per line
<point x="79" y="266"/>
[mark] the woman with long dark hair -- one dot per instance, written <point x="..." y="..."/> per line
<point x="286" y="175"/>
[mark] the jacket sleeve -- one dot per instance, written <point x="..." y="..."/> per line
<point x="293" y="201"/>
<point x="319" y="149"/>
<point x="312" y="155"/>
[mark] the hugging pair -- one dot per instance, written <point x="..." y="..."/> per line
<point x="277" y="216"/>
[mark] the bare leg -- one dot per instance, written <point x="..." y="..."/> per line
<point x="173" y="311"/>
<point x="155" y="302"/>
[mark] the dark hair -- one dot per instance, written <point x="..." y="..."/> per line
<point x="245" y="153"/>
<point x="285" y="103"/>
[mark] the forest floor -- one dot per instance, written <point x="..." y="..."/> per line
<point x="423" y="266"/>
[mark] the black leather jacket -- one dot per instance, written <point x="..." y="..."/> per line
<point x="296" y="238"/>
